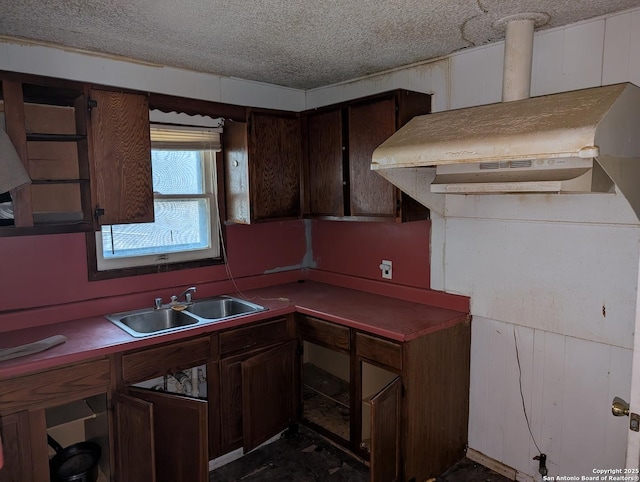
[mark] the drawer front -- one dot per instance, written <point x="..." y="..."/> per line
<point x="253" y="336"/>
<point x="323" y="332"/>
<point x="156" y="362"/>
<point x="379" y="350"/>
<point x="55" y="387"/>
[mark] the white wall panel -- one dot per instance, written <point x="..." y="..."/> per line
<point x="569" y="208"/>
<point x="476" y="76"/>
<point x="585" y="402"/>
<point x="567" y="59"/>
<point x="546" y="73"/>
<point x="617" y="49"/>
<point x="562" y="377"/>
<point x="497" y="388"/>
<point x="551" y="276"/>
<point x="479" y="385"/>
<point x="437" y="249"/>
<point x="621" y="63"/>
<point x="583" y="50"/>
<point x="548" y="399"/>
<point x="517" y="437"/>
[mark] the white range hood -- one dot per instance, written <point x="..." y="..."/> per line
<point x="579" y="141"/>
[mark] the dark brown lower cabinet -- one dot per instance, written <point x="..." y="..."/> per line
<point x="70" y="400"/>
<point x="14" y="430"/>
<point x="257" y="395"/>
<point x="135" y="448"/>
<point x="385" y="433"/>
<point x="401" y="405"/>
<point x="162" y="437"/>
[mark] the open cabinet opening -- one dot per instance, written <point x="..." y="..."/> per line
<point x="71" y="424"/>
<point x="326" y="389"/>
<point x="191" y="382"/>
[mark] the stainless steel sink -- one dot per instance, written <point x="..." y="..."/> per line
<point x="221" y="308"/>
<point x="149" y="321"/>
<point x="178" y="316"/>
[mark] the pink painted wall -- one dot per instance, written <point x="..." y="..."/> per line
<point x="40" y="271"/>
<point x="357" y="249"/>
<point x="43" y="279"/>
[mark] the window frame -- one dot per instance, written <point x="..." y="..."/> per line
<point x="92" y="248"/>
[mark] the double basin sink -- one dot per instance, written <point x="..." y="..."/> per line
<point x="150" y="321"/>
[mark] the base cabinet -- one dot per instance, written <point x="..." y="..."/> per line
<point x="389" y="402"/>
<point x="16" y="444"/>
<point x="162" y="437"/>
<point x="69" y="403"/>
<point x="257" y="395"/>
<point x="384" y="424"/>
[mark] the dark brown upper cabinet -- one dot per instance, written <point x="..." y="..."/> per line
<point x="87" y="152"/>
<point x="262" y="158"/>
<point x="338" y="144"/>
<point x="121" y="187"/>
<point x="46" y="123"/>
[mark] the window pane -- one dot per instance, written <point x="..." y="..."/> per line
<point x="177" y="172"/>
<point x="180" y="225"/>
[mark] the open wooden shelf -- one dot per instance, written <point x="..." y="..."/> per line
<point x="326" y="400"/>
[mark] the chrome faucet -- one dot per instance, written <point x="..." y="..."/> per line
<point x="186" y="294"/>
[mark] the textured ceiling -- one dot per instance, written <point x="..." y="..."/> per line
<point x="295" y="43"/>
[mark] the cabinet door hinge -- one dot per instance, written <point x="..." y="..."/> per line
<point x="99" y="212"/>
<point x="402" y="390"/>
<point x="91" y="103"/>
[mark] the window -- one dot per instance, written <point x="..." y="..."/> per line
<point x="186" y="225"/>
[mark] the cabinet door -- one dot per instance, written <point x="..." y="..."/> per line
<point x="385" y="433"/>
<point x="369" y="125"/>
<point x="16" y="446"/>
<point x="268" y="404"/>
<point x="325" y="149"/>
<point x="180" y="427"/>
<point x="121" y="181"/>
<point x="232" y="398"/>
<point x="274" y="166"/>
<point x="134" y="447"/>
<point x="231" y="401"/>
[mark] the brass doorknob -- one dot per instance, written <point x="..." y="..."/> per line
<point x="619" y="407"/>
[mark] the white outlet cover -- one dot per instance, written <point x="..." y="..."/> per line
<point x="387" y="269"/>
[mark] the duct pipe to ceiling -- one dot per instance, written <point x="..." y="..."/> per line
<point x="518" y="58"/>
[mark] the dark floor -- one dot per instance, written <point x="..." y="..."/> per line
<point x="307" y="457"/>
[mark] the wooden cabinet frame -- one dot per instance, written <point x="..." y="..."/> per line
<point x="23" y="402"/>
<point x="167" y="435"/>
<point x="263" y="162"/>
<point x="338" y="141"/>
<point x="258" y="383"/>
<point x="419" y="420"/>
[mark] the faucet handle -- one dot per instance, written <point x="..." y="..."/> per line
<point x="174" y="299"/>
<point x="158" y="303"/>
<point x="187" y="297"/>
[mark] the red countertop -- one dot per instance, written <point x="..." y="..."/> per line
<point x="92" y="337"/>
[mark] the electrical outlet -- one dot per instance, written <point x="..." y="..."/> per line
<point x="387" y="269"/>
